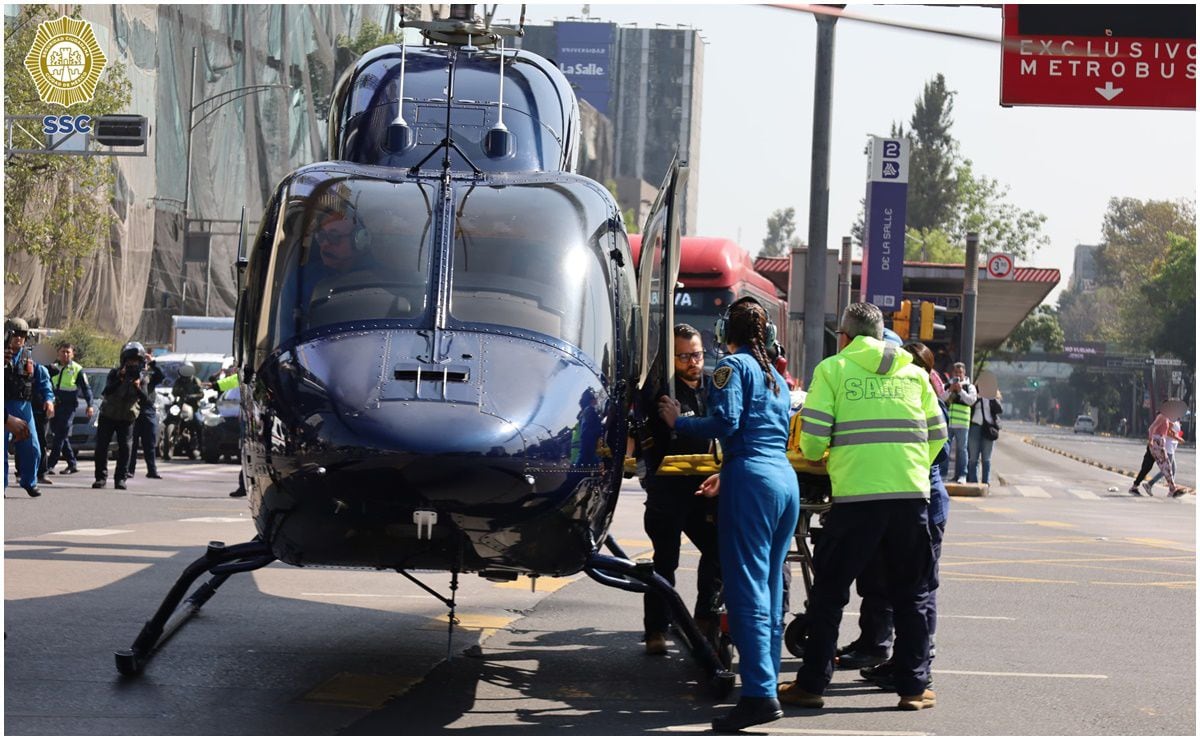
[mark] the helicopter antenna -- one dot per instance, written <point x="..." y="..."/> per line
<point x="497" y="142"/>
<point x="399" y="133"/>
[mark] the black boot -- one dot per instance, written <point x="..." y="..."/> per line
<point x="750" y="710"/>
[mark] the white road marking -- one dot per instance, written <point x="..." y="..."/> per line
<point x="1019" y="675"/>
<point x="216" y="519"/>
<point x="365" y="596"/>
<point x="773" y="730"/>
<point x="1083" y="493"/>
<point x="90" y="532"/>
<point x="1032" y="491"/>
<point x="958" y="616"/>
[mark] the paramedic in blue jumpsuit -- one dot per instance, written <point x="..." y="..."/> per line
<point x="759" y="501"/>
<point x="20" y="375"/>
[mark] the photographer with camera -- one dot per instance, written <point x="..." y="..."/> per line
<point x="145" y="428"/>
<point x="960" y="396"/>
<point x="123" y="397"/>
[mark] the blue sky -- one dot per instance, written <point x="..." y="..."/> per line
<point x="757" y="119"/>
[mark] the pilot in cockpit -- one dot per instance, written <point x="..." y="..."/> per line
<point x="342" y="245"/>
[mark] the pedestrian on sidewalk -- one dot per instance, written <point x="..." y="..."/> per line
<point x="982" y="436"/>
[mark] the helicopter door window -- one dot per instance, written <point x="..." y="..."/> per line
<point x="351" y="250"/>
<point x="525" y="257"/>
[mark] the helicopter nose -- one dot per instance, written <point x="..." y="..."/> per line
<point x="436" y="428"/>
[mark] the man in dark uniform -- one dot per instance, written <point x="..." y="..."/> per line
<point x="145" y="428"/>
<point x="672" y="504"/>
<point x="123" y="394"/>
<point x="21" y="375"/>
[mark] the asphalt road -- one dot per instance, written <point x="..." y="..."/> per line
<point x="1116" y="451"/>
<point x="1066" y="608"/>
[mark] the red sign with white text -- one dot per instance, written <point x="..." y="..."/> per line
<point x="1107" y="56"/>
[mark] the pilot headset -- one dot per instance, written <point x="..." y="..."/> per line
<point x="770" y="333"/>
<point x="360" y="238"/>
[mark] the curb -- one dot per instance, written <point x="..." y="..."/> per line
<point x="967" y="490"/>
<point x="1087" y="460"/>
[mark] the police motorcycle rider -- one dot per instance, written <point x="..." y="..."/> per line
<point x="758" y="503"/>
<point x="70" y="383"/>
<point x="21" y="374"/>
<point x="124" y="394"/>
<point x="672" y="506"/>
<point x="186" y="391"/>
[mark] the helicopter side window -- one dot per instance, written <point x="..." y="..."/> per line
<point x="528" y="257"/>
<point x="351" y="250"/>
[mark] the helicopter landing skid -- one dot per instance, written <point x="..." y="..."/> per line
<point x="221" y="561"/>
<point x="618" y="571"/>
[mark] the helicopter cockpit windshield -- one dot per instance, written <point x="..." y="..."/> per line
<point x="350" y="249"/>
<point x="543" y="274"/>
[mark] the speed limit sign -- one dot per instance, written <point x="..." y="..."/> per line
<point x="1000" y="267"/>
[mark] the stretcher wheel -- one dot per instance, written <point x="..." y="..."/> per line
<point x="795" y="634"/>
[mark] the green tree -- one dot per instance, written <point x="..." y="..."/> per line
<point x="781" y="234"/>
<point x="370" y="36"/>
<point x="982" y="206"/>
<point x="1137" y="236"/>
<point x="1170" y="297"/>
<point x="56" y="208"/>
<point x="932" y="245"/>
<point x="1041" y="327"/>
<point x="932" y="191"/>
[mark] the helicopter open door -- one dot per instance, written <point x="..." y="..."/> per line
<point x="657" y="274"/>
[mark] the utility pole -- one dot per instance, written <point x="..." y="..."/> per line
<point x="818" y="202"/>
<point x="966" y="349"/>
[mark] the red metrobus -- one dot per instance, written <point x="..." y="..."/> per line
<point x="715" y="272"/>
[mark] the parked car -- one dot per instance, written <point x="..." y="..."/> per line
<point x="1085" y="424"/>
<point x="222" y="428"/>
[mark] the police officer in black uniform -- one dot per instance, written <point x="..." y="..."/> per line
<point x="672" y="504"/>
<point x="145" y="427"/>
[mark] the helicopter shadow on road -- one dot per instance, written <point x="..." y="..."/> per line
<point x="536" y="678"/>
<point x="248" y="663"/>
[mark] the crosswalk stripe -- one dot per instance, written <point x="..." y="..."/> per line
<point x="1032" y="491"/>
<point x="1083" y="493"/>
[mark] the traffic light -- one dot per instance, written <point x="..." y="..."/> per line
<point x="121" y="129"/>
<point x="929" y="312"/>
<point x="1035" y="382"/>
<point x="902" y="319"/>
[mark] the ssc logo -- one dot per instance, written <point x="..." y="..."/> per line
<point x="65" y="61"/>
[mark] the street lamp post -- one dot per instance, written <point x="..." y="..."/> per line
<point x="225" y="98"/>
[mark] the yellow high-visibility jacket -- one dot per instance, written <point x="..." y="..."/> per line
<point x="878" y="416"/>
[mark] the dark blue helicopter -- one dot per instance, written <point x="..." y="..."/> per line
<point x="440" y="336"/>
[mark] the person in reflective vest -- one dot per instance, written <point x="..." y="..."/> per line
<point x="759" y="503"/>
<point x="877" y="415"/>
<point x="70" y="384"/>
<point x="960" y="396"/>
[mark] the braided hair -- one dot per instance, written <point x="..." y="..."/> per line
<point x="747" y="327"/>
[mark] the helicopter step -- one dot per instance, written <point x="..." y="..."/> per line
<point x="618" y="571"/>
<point x="221" y="561"/>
